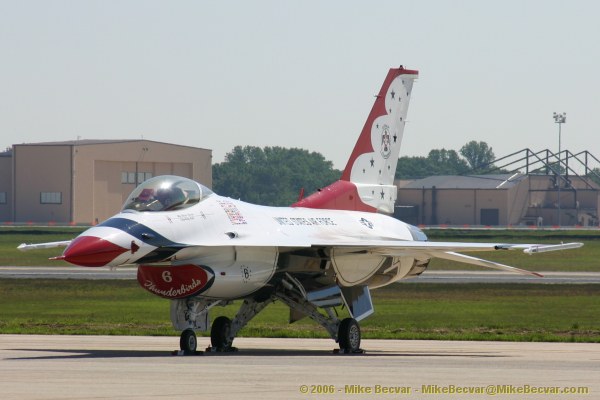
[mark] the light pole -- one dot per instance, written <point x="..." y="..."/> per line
<point x="559" y="119"/>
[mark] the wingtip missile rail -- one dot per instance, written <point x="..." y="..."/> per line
<point x="49" y="245"/>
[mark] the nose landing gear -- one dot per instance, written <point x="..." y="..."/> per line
<point x="188" y="343"/>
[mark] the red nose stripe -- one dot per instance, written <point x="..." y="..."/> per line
<point x="91" y="251"/>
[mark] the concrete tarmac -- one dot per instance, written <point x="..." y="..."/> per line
<point x="116" y="367"/>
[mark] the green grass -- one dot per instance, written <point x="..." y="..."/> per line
<point x="80" y="307"/>
<point x="403" y="311"/>
<point x="488" y="312"/>
<point x="11" y="237"/>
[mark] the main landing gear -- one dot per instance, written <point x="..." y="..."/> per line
<point x="349" y="336"/>
<point x="346" y="332"/>
<point x="192" y="314"/>
<point x="220" y="335"/>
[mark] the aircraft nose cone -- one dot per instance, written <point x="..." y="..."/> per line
<point x="91" y="251"/>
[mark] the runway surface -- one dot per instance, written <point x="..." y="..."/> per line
<point x="117" y="367"/>
<point x="427" y="277"/>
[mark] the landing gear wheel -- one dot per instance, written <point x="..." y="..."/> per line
<point x="188" y="342"/>
<point x="349" y="336"/>
<point x="219" y="334"/>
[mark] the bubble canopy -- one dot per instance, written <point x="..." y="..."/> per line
<point x="166" y="193"/>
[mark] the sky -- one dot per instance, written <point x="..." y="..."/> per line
<point x="216" y="74"/>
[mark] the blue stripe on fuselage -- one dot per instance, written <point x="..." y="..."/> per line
<point x="141" y="232"/>
<point x="165" y="248"/>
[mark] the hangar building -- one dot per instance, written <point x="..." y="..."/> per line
<point x="87" y="181"/>
<point x="543" y="189"/>
<point x="498" y="200"/>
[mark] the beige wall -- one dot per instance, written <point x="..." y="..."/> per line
<point x="108" y="192"/>
<point x="455" y="206"/>
<point x="587" y="199"/>
<point x="492" y="198"/>
<point x="6" y="169"/>
<point x="38" y="169"/>
<point x="518" y="202"/>
<point x="98" y="190"/>
<point x="89" y="176"/>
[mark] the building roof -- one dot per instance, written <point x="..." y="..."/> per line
<point x="81" y="142"/>
<point x="496" y="181"/>
<point x="88" y="142"/>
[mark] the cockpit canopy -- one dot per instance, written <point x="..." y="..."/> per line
<point x="166" y="193"/>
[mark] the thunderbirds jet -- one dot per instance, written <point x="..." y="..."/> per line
<point x="328" y="250"/>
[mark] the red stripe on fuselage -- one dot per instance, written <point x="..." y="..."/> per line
<point x="340" y="195"/>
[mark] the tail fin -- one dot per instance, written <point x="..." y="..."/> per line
<point x="367" y="183"/>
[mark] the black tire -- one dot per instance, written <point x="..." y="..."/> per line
<point x="188" y="342"/>
<point x="219" y="333"/>
<point x="349" y="335"/>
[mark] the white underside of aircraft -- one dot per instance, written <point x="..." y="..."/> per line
<point x="200" y="250"/>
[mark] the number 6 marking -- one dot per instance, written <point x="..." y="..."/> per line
<point x="166" y="276"/>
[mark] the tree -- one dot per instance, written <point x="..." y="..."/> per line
<point x="478" y="155"/>
<point x="446" y="162"/>
<point x="437" y="162"/>
<point x="412" y="167"/>
<point x="271" y="176"/>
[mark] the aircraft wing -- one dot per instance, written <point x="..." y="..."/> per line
<point x="448" y="251"/>
<point x="401" y="247"/>
<point x="392" y="247"/>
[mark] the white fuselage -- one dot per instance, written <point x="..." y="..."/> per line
<point x="236" y="243"/>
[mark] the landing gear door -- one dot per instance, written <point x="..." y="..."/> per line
<point x="358" y="301"/>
